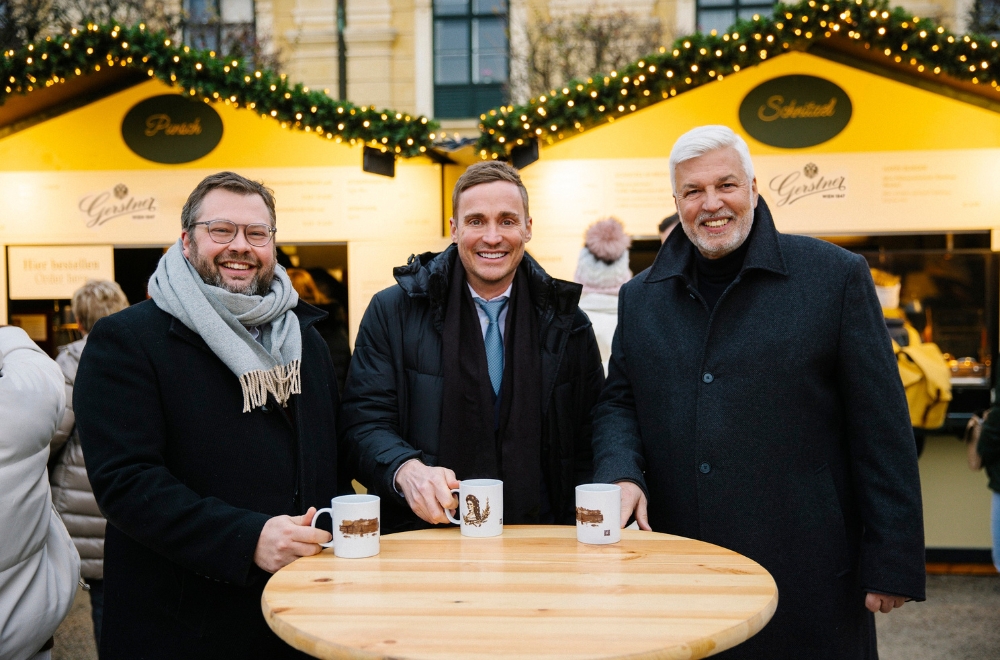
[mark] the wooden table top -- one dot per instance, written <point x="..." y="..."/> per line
<point x="534" y="592"/>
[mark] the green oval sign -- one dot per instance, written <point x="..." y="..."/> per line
<point x="794" y="112"/>
<point x="172" y="129"/>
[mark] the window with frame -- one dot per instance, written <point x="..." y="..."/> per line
<point x="219" y="24"/>
<point x="471" y="57"/>
<point x="719" y="15"/>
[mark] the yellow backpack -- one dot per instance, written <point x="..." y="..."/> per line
<point x="927" y="381"/>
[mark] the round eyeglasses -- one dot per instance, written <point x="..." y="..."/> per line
<point x="224" y="231"/>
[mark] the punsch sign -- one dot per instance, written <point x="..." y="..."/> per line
<point x="172" y="129"/>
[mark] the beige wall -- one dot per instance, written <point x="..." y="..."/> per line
<point x="390" y="42"/>
<point x="956" y="500"/>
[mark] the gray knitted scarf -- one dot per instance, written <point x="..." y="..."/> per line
<point x="221" y="318"/>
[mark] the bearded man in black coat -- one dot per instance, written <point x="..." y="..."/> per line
<point x="753" y="401"/>
<point x="207" y="417"/>
<point x="478" y="364"/>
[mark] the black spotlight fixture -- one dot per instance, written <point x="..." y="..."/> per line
<point x="380" y="162"/>
<point x="524" y="155"/>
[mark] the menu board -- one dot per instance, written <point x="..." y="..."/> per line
<point x="54" y="272"/>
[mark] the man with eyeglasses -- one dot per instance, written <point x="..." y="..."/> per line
<point x="207" y="417"/>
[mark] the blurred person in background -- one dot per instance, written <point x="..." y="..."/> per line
<point x="602" y="269"/>
<point x="989" y="452"/>
<point x="71" y="492"/>
<point x="39" y="567"/>
<point x="333" y="328"/>
<point x="667" y="225"/>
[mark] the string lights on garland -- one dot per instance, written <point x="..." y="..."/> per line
<point x="699" y="59"/>
<point x="214" y="79"/>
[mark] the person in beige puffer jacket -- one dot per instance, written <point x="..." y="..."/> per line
<point x="71" y="492"/>
<point x="39" y="568"/>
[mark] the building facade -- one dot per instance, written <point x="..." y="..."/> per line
<point x="453" y="59"/>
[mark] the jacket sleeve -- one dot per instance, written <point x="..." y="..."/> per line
<point x="370" y="406"/>
<point x="591" y="383"/>
<point x="881" y="447"/>
<point x="617" y="442"/>
<point x="124" y="433"/>
<point x="68" y="419"/>
<point x="989" y="438"/>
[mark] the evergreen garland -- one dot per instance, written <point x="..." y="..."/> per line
<point x="699" y="59"/>
<point x="213" y="78"/>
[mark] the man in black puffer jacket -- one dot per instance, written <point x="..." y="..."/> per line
<point x="476" y="365"/>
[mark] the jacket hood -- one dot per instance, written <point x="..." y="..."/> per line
<point x="429" y="275"/>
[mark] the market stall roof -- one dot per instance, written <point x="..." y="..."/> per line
<point x="59" y="73"/>
<point x="865" y="34"/>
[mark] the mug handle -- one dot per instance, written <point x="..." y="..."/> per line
<point x="447" y="512"/>
<point x="313" y="525"/>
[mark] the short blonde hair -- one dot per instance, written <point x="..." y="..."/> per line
<point x="95" y="300"/>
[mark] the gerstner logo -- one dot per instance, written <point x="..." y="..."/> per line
<point x="115" y="203"/>
<point x="793" y="186"/>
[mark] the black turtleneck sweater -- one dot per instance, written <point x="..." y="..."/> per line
<point x="713" y="276"/>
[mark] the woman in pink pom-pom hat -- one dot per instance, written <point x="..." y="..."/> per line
<point x="602" y="269"/>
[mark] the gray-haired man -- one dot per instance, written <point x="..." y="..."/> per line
<point x="753" y="401"/>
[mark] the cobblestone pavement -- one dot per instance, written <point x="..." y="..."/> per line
<point x="959" y="621"/>
<point x="75" y="637"/>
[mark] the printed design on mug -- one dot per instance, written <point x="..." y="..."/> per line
<point x="362" y="527"/>
<point x="475" y="517"/>
<point x="592" y="517"/>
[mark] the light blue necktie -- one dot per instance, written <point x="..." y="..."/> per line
<point x="494" y="343"/>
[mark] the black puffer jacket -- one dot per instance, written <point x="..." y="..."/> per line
<point x="391" y="406"/>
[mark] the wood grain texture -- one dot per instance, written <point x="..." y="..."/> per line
<point x="534" y="592"/>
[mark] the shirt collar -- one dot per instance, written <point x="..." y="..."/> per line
<point x="505" y="294"/>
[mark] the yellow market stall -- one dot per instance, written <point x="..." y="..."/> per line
<point x="853" y="140"/>
<point x="102" y="166"/>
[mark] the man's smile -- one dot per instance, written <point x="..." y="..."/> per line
<point x="236" y="265"/>
<point x="716" y="223"/>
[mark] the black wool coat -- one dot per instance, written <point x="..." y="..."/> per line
<point x="392" y="402"/>
<point x="187" y="481"/>
<point x="776" y="426"/>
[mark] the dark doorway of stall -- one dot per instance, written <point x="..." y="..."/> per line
<point x="133" y="268"/>
<point x="319" y="274"/>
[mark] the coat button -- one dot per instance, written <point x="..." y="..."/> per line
<point x="705" y="468"/>
<point x="707" y="377"/>
<point x="265" y="409"/>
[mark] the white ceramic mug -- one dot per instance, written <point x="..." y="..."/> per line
<point x="598" y="513"/>
<point x="480" y="507"/>
<point x="357" y="524"/>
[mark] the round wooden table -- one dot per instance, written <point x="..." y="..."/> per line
<point x="534" y="592"/>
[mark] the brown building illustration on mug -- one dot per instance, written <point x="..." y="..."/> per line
<point x="592" y="517"/>
<point x="362" y="527"/>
